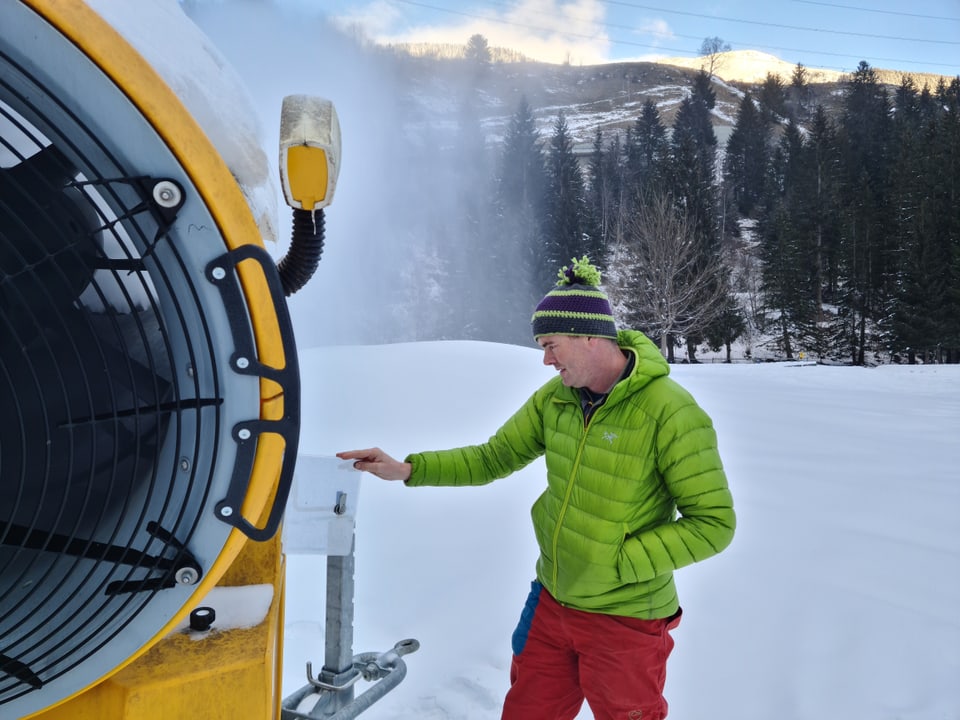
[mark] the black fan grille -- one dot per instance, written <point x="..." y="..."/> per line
<point x="110" y="393"/>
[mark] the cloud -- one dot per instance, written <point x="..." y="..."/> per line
<point x="652" y="33"/>
<point x="548" y="30"/>
<point x="375" y="19"/>
<point x="657" y="30"/>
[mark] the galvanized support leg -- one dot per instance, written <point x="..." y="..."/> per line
<point x="338" y="657"/>
<point x="342" y="669"/>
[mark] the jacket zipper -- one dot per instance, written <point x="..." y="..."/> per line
<point x="566" y="499"/>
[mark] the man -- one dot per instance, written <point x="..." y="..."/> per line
<point x="627" y="450"/>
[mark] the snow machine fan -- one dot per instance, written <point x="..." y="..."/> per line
<point x="148" y="375"/>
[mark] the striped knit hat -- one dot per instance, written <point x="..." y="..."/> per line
<point x="576" y="306"/>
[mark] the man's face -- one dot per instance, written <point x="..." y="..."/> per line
<point x="571" y="356"/>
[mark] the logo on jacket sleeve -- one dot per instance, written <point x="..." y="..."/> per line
<point x="609" y="437"/>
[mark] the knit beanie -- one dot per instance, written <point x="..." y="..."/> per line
<point x="576" y="306"/>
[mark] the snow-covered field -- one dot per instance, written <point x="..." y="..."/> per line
<point x="837" y="599"/>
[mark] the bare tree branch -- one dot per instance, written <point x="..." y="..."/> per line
<point x="661" y="280"/>
<point x="711" y="50"/>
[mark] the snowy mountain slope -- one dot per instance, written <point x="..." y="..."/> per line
<point x="606" y="96"/>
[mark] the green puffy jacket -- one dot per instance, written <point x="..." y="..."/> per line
<point x="637" y="493"/>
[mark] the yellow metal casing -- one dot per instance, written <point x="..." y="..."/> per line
<point x="236" y="673"/>
<point x="217" y="675"/>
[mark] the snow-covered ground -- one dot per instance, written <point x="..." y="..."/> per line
<point x="838" y="597"/>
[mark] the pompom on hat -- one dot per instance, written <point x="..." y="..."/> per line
<point x="576" y="306"/>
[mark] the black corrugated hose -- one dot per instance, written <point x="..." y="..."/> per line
<point x="306" y="245"/>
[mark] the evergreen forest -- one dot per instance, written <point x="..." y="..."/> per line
<point x="832" y="235"/>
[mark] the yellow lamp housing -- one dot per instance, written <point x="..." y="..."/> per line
<point x="309" y="151"/>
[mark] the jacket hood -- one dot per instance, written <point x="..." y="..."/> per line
<point x="650" y="363"/>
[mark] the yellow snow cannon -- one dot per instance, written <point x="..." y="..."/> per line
<point x="149" y="387"/>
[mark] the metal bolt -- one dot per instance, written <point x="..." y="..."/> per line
<point x="187" y="576"/>
<point x="226" y="511"/>
<point x="243" y="434"/>
<point x="184" y="464"/>
<point x="166" y="193"/>
<point x="218" y="273"/>
<point x="190" y="371"/>
<point x="243" y="363"/>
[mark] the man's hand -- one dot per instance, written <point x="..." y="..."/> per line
<point x="376" y="462"/>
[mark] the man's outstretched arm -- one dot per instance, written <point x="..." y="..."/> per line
<point x="376" y="462"/>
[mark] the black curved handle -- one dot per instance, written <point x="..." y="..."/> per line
<point x="222" y="272"/>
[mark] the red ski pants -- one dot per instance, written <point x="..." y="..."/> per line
<point x="562" y="655"/>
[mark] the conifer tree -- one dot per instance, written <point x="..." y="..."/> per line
<point x="782" y="226"/>
<point x="865" y="147"/>
<point x="693" y="164"/>
<point x="926" y="185"/>
<point x="648" y="153"/>
<point x="478" y="50"/>
<point x="772" y="98"/>
<point x="945" y="193"/>
<point x="520" y="197"/>
<point x="746" y="158"/>
<point x="778" y="259"/>
<point x="603" y="190"/>
<point x="823" y="187"/>
<point x="566" y="233"/>
<point x="727" y="328"/>
<point x="474" y="241"/>
<point x="596" y="189"/>
<point x="799" y="231"/>
<point x="919" y="272"/>
<point x="798" y="94"/>
<point x="522" y="177"/>
<point x="693" y="147"/>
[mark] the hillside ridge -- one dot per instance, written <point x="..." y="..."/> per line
<point x="607" y="96"/>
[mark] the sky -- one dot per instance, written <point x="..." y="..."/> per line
<point x="838" y="592"/>
<point x="921" y="36"/>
